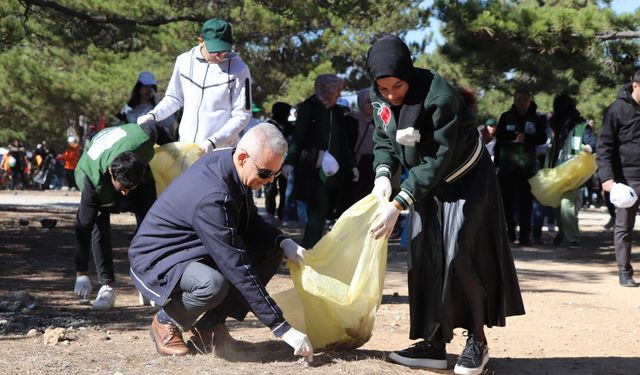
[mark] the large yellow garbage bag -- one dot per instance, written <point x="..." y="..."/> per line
<point x="339" y="288"/>
<point x="170" y="160"/>
<point x="549" y="184"/>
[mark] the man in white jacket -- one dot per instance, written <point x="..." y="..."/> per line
<point x="213" y="85"/>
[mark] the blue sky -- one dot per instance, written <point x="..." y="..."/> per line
<point x="619" y="6"/>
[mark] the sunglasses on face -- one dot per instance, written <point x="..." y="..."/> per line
<point x="263" y="173"/>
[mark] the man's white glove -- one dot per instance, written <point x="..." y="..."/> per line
<point x="287" y="170"/>
<point x="382" y="189"/>
<point x="83" y="287"/>
<point x="587" y="148"/>
<point x="384" y="219"/>
<point x="145" y="118"/>
<point x="356" y="174"/>
<point x="622" y="196"/>
<point x="300" y="343"/>
<point x="293" y="251"/>
<point x="206" y="146"/>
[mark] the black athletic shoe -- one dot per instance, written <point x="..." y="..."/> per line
<point x="473" y="358"/>
<point x="421" y="354"/>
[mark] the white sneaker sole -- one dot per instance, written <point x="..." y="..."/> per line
<point x="440" y="364"/>
<point x="471" y="371"/>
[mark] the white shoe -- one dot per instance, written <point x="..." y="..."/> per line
<point x="106" y="298"/>
<point x="144" y="301"/>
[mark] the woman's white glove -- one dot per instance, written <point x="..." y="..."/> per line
<point x="145" y="118"/>
<point x="293" y="251"/>
<point x="356" y="174"/>
<point x="382" y="189"/>
<point x="384" y="219"/>
<point x="287" y="170"/>
<point x="83" y="287"/>
<point x="206" y="146"/>
<point x="300" y="343"/>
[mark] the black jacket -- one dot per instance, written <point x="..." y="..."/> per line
<point x="205" y="212"/>
<point x="619" y="140"/>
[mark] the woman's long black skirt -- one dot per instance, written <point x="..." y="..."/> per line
<point x="459" y="251"/>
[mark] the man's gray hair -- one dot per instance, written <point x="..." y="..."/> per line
<point x="264" y="135"/>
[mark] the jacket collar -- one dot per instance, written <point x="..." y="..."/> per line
<point x="229" y="169"/>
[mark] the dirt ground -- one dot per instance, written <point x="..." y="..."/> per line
<point x="578" y="321"/>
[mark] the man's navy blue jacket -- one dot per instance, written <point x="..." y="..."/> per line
<point x="206" y="212"/>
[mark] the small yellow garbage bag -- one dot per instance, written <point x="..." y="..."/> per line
<point x="170" y="160"/>
<point x="549" y="184"/>
<point x="339" y="288"/>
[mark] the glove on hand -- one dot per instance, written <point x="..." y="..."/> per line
<point x="206" y="146"/>
<point x="83" y="287"/>
<point x="287" y="170"/>
<point x="300" y="343"/>
<point x="293" y="251"/>
<point x="384" y="219"/>
<point x="145" y="118"/>
<point x="356" y="174"/>
<point x="382" y="189"/>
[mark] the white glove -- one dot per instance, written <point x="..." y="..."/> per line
<point x="384" y="219"/>
<point x="408" y="136"/>
<point x="145" y="118"/>
<point x="206" y="146"/>
<point x="293" y="251"/>
<point x="622" y="196"/>
<point x="587" y="148"/>
<point x="300" y="343"/>
<point x="356" y="174"/>
<point x="83" y="287"/>
<point x="382" y="189"/>
<point x="287" y="170"/>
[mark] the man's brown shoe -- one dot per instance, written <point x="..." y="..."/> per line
<point x="168" y="338"/>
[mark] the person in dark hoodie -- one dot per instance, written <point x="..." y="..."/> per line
<point x="619" y="163"/>
<point x="461" y="271"/>
<point x="519" y="131"/>
<point x="206" y="254"/>
<point x="570" y="136"/>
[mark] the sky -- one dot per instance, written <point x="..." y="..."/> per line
<point x="618" y="6"/>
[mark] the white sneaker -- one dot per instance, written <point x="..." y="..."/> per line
<point x="144" y="301"/>
<point x="106" y="298"/>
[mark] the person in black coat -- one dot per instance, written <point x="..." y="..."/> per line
<point x="619" y="163"/>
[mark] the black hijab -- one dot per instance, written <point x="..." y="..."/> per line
<point x="389" y="56"/>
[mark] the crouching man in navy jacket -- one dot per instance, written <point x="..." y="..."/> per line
<point x="203" y="249"/>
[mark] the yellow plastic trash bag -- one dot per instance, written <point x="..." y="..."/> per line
<point x="339" y="288"/>
<point x="549" y="184"/>
<point x="170" y="160"/>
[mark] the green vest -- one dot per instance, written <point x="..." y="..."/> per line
<point x="103" y="148"/>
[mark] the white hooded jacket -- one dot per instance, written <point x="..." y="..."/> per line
<point x="216" y="98"/>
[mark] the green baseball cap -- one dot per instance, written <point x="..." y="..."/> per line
<point x="217" y="35"/>
<point x="490" y="122"/>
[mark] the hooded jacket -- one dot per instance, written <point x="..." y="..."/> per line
<point x="618" y="154"/>
<point x="449" y="141"/>
<point x="216" y="98"/>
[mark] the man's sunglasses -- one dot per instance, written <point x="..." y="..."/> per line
<point x="263" y="173"/>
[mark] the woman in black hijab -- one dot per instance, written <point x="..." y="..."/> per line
<point x="461" y="271"/>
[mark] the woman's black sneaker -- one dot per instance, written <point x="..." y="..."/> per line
<point x="421" y="354"/>
<point x="473" y="358"/>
